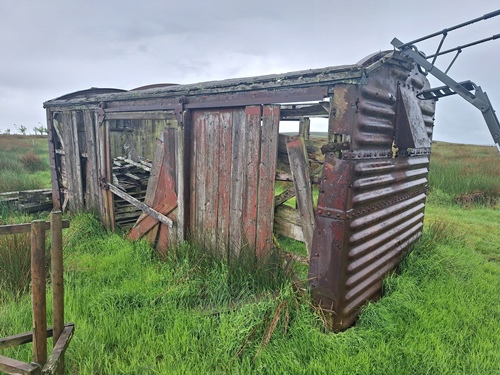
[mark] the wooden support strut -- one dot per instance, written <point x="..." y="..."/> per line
<point x="145" y="208"/>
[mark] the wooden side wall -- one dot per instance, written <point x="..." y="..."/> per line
<point x="232" y="177"/>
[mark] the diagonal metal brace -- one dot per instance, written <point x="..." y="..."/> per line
<point x="479" y="99"/>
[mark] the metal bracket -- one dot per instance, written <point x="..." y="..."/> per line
<point x="100" y="113"/>
<point x="335" y="146"/>
<point x="179" y="111"/>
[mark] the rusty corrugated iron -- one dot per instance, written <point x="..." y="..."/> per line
<point x="372" y="193"/>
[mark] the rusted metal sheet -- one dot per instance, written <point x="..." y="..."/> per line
<point x="372" y="194"/>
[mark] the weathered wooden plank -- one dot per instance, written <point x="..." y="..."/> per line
<point x="299" y="166"/>
<point x="140" y="115"/>
<point x="284" y="196"/>
<point x="183" y="173"/>
<point x="26" y="228"/>
<point x="251" y="150"/>
<point x="305" y="127"/>
<point x="267" y="170"/>
<point x="57" y="355"/>
<point x="139" y="165"/>
<point x="56" y="192"/>
<point x="93" y="196"/>
<point x="13" y="366"/>
<point x="238" y="180"/>
<point x="146" y="209"/>
<point x="77" y="203"/>
<point x="295" y="111"/>
<point x="67" y="133"/>
<point x="212" y="177"/>
<point x="147" y="221"/>
<point x="38" y="288"/>
<point x="107" y="211"/>
<point x="152" y="235"/>
<point x="224" y="173"/>
<point x="200" y="175"/>
<point x="19" y="339"/>
<point x="162" y="244"/>
<point x="287" y="222"/>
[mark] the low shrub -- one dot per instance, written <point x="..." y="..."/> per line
<point x="32" y="162"/>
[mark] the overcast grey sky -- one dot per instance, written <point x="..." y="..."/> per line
<point x="53" y="47"/>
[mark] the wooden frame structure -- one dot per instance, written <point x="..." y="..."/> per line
<point x="60" y="332"/>
<point x="172" y="162"/>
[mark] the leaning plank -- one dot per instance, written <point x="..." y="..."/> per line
<point x="13" y="366"/>
<point x="145" y="208"/>
<point x="287" y="223"/>
<point x="26" y="228"/>
<point x="299" y="166"/>
<point x="284" y="196"/>
<point x="58" y="352"/>
<point x="146" y="222"/>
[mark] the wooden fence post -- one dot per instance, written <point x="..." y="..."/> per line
<point x="38" y="290"/>
<point x="56" y="261"/>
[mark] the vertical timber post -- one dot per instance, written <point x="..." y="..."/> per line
<point x="56" y="261"/>
<point x="38" y="291"/>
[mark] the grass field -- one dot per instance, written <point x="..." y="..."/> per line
<point x="24" y="162"/>
<point x="193" y="314"/>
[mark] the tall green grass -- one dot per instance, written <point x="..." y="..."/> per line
<point x="466" y="175"/>
<point x="24" y="163"/>
<point x="15" y="255"/>
<point x="192" y="313"/>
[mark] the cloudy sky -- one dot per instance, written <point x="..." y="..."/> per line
<point x="53" y="47"/>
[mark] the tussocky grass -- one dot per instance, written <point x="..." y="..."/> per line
<point x="194" y="313"/>
<point x="24" y="162"/>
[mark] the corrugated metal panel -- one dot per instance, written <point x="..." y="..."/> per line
<point x="372" y="196"/>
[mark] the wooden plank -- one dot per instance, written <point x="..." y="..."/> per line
<point x="146" y="209"/>
<point x="26" y="228"/>
<point x="305" y="127"/>
<point x="93" y="195"/>
<point x="224" y="173"/>
<point x="238" y="180"/>
<point x="183" y="173"/>
<point x="74" y="153"/>
<point x="146" y="222"/>
<point x="284" y="196"/>
<point x="56" y="189"/>
<point x="140" y="115"/>
<point x="38" y="288"/>
<point x="20" y="339"/>
<point x="162" y="245"/>
<point x="287" y="222"/>
<point x="57" y="355"/>
<point x="251" y="150"/>
<point x="13" y="366"/>
<point x="108" y="173"/>
<point x="67" y="133"/>
<point x="212" y="177"/>
<point x="267" y="170"/>
<point x="299" y="166"/>
<point x="200" y="175"/>
<point x="152" y="235"/>
<point x="106" y="200"/>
